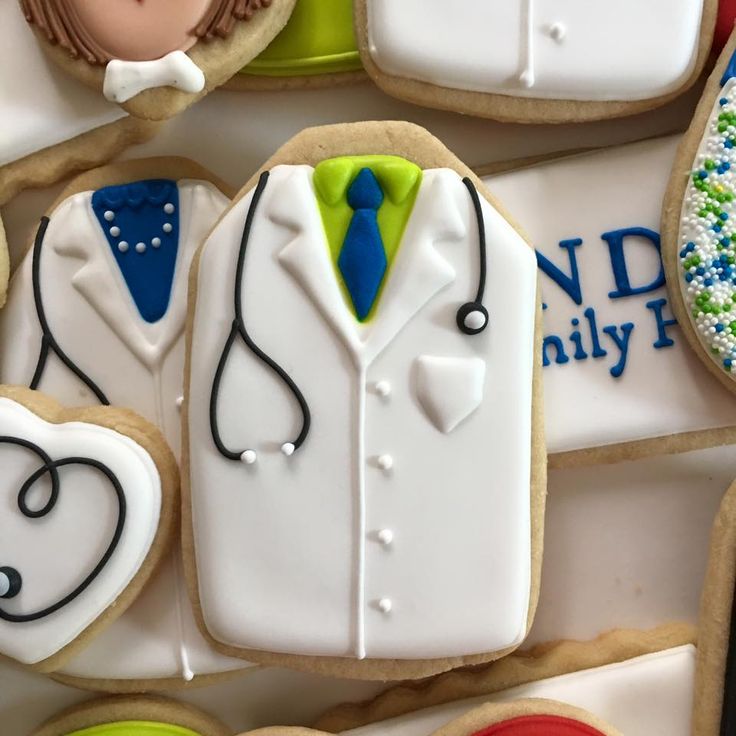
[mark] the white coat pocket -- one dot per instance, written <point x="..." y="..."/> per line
<point x="449" y="389"/>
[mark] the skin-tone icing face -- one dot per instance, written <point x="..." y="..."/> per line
<point x="140" y="30"/>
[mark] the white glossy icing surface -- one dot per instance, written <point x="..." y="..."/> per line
<point x="558" y="49"/>
<point x="650" y="695"/>
<point x="54" y="554"/>
<point x="302" y="533"/>
<point x="661" y="391"/>
<point x="138" y="365"/>
<point x="42" y="105"/>
<point x="126" y="79"/>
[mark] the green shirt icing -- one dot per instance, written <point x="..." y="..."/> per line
<point x="135" y="728"/>
<point x="318" y="39"/>
<point x="400" y="180"/>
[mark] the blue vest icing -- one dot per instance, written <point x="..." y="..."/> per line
<point x="141" y="223"/>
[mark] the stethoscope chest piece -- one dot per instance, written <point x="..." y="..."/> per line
<point x="472" y="318"/>
<point x="10" y="582"/>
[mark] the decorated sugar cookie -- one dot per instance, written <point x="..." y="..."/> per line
<point x="317" y="48"/>
<point x="611" y="346"/>
<point x="697" y="226"/>
<point x="155" y="57"/>
<point x="534" y="717"/>
<point x="133" y="716"/>
<point x="639" y="682"/>
<point x="95" y="315"/>
<point x="88" y="511"/>
<point x="531" y="61"/>
<point x="715" y="712"/>
<point x="51" y="124"/>
<point x="362" y="346"/>
<point x="4" y="265"/>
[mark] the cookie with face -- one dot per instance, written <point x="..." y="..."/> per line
<point x="133" y="716"/>
<point x="88" y="512"/>
<point x="529" y="61"/>
<point x="155" y="57"/>
<point x="317" y="48"/>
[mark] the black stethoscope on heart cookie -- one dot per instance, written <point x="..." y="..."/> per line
<point x="471" y="318"/>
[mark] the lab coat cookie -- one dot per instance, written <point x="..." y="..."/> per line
<point x="362" y="387"/>
<point x="88" y="513"/>
<point x="535" y="60"/>
<point x="95" y="315"/>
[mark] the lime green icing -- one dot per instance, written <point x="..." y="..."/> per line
<point x="318" y="39"/>
<point x="135" y="728"/>
<point x="400" y="180"/>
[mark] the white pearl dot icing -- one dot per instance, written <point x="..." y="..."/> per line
<point x="114" y="231"/>
<point x="123" y="246"/>
<point x="385" y="605"/>
<point x="109" y="215"/>
<point x="386" y="537"/>
<point x="167" y="227"/>
<point x="385" y="462"/>
<point x="156" y="242"/>
<point x="707" y="241"/>
<point x="168" y="208"/>
<point x="140" y="247"/>
<point x="249" y="457"/>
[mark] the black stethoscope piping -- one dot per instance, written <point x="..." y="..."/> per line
<point x="472" y="318"/>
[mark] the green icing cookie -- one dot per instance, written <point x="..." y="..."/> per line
<point x="318" y="39"/>
<point x="135" y="728"/>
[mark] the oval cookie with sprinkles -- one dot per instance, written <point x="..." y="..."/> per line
<point x="699" y="225"/>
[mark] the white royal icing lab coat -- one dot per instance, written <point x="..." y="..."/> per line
<point x="557" y="49"/>
<point x="330" y="552"/>
<point x="137" y="365"/>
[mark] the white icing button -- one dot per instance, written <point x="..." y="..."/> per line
<point x="475" y="320"/>
<point x="526" y="78"/>
<point x="123" y="246"/>
<point x="114" y="231"/>
<point x="249" y="457"/>
<point x="167" y="227"/>
<point x="109" y="215"/>
<point x="385" y="462"/>
<point x="179" y="402"/>
<point x="383" y="388"/>
<point x="385" y="537"/>
<point x="168" y="208"/>
<point x="4" y="584"/>
<point x="557" y="31"/>
<point x="140" y="247"/>
<point x="385" y="605"/>
<point x="156" y="242"/>
<point x="288" y="449"/>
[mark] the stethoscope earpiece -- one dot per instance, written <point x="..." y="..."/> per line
<point x="10" y="582"/>
<point x="472" y="318"/>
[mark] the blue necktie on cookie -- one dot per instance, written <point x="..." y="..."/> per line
<point x="141" y="223"/>
<point x="362" y="260"/>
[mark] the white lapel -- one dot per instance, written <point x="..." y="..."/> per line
<point x="417" y="274"/>
<point x="99" y="281"/>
